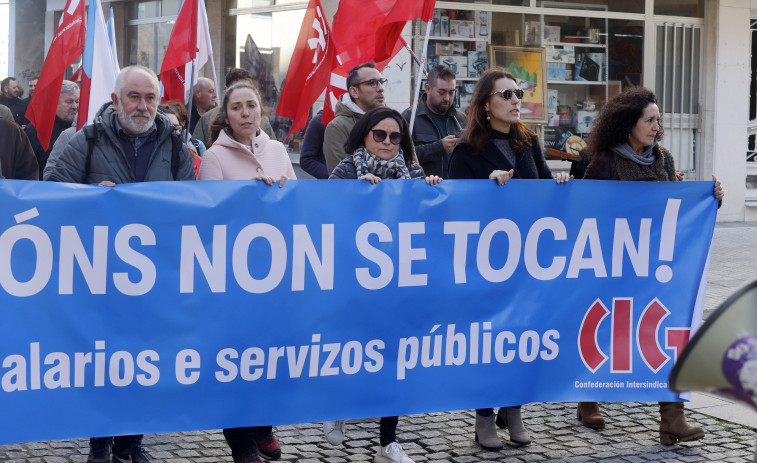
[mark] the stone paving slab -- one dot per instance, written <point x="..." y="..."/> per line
<point x="631" y="435"/>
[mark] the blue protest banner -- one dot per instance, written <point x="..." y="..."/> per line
<point x="159" y="307"/>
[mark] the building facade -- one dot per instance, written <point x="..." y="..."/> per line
<point x="695" y="54"/>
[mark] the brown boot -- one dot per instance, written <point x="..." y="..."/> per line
<point x="590" y="416"/>
<point x="673" y="425"/>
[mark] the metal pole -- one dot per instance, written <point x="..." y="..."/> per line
<point x="191" y="94"/>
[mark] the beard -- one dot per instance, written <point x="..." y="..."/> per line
<point x="133" y="126"/>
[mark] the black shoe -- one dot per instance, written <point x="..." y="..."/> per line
<point x="99" y="450"/>
<point x="134" y="454"/>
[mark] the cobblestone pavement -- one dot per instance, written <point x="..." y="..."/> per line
<point x="631" y="434"/>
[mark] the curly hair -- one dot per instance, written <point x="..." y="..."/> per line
<point x="477" y="131"/>
<point x="369" y="120"/>
<point x="219" y="121"/>
<point x="618" y="117"/>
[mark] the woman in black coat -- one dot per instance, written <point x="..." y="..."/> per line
<point x="497" y="145"/>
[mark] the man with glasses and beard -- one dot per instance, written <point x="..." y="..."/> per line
<point x="365" y="92"/>
<point x="129" y="141"/>
<point x="437" y="122"/>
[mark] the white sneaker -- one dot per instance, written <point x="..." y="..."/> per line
<point x="334" y="431"/>
<point x="392" y="453"/>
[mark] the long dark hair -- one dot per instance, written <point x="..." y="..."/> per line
<point x="618" y="117"/>
<point x="477" y="131"/>
<point x="219" y="122"/>
<point x="369" y="121"/>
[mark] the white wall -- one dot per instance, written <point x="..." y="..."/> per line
<point x="727" y="102"/>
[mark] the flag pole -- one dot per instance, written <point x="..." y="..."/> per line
<point x="421" y="69"/>
<point x="412" y="54"/>
<point x="191" y="94"/>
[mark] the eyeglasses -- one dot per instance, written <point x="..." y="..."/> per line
<point x="372" y="82"/>
<point x="177" y="128"/>
<point x="380" y="135"/>
<point x="508" y="94"/>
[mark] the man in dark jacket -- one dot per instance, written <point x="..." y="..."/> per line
<point x="133" y="143"/>
<point x="312" y="160"/>
<point x="65" y="116"/>
<point x="9" y="97"/>
<point x="437" y="123"/>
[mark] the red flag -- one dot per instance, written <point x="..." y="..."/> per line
<point x="182" y="47"/>
<point x="401" y="12"/>
<point x="337" y="87"/>
<point x="355" y="26"/>
<point x="66" y="47"/>
<point x="310" y="68"/>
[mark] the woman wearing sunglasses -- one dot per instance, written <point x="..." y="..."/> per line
<point x="381" y="149"/>
<point x="497" y="145"/>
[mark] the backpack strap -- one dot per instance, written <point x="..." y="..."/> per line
<point x="90" y="132"/>
<point x="176" y="145"/>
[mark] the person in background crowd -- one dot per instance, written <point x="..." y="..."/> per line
<point x="132" y="143"/>
<point x="32" y="85"/>
<point x="25" y="101"/>
<point x="381" y="150"/>
<point x="177" y="115"/>
<point x="242" y="151"/>
<point x="181" y="114"/>
<point x="10" y="98"/>
<point x="312" y="160"/>
<point x="497" y="145"/>
<point x="202" y="129"/>
<point x="16" y="155"/>
<point x="623" y="145"/>
<point x="203" y="100"/>
<point x="65" y="116"/>
<point x="365" y="92"/>
<point x="6" y="113"/>
<point x="437" y="122"/>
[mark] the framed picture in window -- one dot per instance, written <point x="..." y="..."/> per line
<point x="528" y="65"/>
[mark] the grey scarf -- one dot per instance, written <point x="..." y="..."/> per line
<point x="368" y="163"/>
<point x="625" y="151"/>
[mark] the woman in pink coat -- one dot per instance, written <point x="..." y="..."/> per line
<point x="241" y="151"/>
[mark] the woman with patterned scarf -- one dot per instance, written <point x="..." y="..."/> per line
<point x="381" y="149"/>
<point x="624" y="146"/>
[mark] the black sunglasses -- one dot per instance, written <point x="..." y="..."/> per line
<point x="508" y="94"/>
<point x="372" y="82"/>
<point x="380" y="135"/>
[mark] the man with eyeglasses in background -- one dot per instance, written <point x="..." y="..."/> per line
<point x="365" y="92"/>
<point x="437" y="122"/>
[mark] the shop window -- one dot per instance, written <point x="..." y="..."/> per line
<point x="147" y="44"/>
<point x="264" y="43"/>
<point x="153" y="9"/>
<point x="621" y="6"/>
<point x="499" y="2"/>
<point x="685" y="8"/>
